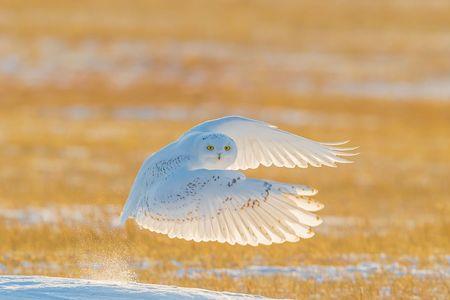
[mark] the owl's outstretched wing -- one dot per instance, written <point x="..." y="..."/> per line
<point x="224" y="206"/>
<point x="143" y="181"/>
<point x="155" y="171"/>
<point x="261" y="143"/>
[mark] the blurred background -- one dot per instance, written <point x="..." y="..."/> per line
<point x="88" y="89"/>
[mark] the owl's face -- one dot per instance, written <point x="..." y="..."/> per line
<point x="216" y="151"/>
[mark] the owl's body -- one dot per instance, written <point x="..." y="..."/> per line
<point x="191" y="188"/>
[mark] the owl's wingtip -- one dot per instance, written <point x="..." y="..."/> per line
<point x="123" y="219"/>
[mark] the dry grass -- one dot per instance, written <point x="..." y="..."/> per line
<point x="397" y="190"/>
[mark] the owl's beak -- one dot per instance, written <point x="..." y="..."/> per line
<point x="219" y="156"/>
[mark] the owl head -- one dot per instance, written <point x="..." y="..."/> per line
<point x="215" y="151"/>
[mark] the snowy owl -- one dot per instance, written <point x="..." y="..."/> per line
<point x="192" y="189"/>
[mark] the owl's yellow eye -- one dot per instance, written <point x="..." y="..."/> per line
<point x="227" y="148"/>
<point x="210" y="147"/>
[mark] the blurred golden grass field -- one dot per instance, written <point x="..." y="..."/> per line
<point x="77" y="143"/>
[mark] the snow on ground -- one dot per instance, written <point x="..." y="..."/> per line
<point x="40" y="287"/>
<point x="204" y="111"/>
<point x="356" y="266"/>
<point x="321" y="273"/>
<point x="70" y="214"/>
<point x="123" y="63"/>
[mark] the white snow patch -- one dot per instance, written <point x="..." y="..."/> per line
<point x="210" y="110"/>
<point x="436" y="88"/>
<point x="40" y="287"/>
<point x="69" y="214"/>
<point x="123" y="63"/>
<point x="321" y="273"/>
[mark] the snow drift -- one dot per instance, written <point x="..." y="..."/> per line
<point x="41" y="287"/>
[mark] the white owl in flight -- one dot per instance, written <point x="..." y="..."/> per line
<point x="192" y="189"/>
